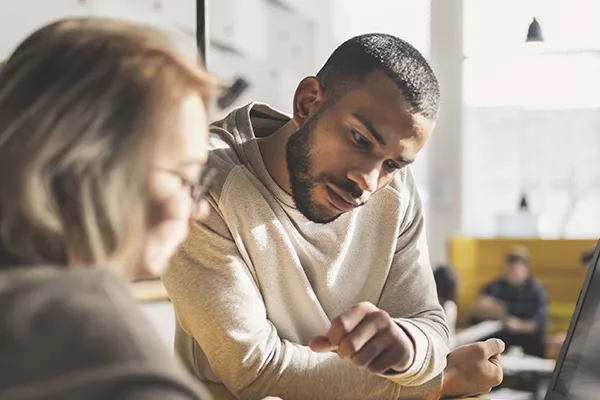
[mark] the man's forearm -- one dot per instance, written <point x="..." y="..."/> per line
<point x="488" y="307"/>
<point x="291" y="371"/>
<point x="523" y="326"/>
<point x="528" y="326"/>
<point x="294" y="372"/>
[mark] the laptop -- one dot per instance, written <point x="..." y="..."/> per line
<point x="576" y="375"/>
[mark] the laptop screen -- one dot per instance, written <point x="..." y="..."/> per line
<point x="577" y="373"/>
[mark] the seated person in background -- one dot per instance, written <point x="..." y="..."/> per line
<point x="586" y="259"/>
<point x="311" y="277"/>
<point x="446" y="284"/>
<point x="103" y="134"/>
<point x="520" y="301"/>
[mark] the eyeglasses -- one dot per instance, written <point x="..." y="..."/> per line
<point x="198" y="190"/>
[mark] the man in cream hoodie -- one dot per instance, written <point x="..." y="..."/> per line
<point x="311" y="277"/>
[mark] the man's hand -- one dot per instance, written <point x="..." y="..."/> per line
<point x="473" y="369"/>
<point x="488" y="307"/>
<point x="516" y="325"/>
<point x="369" y="338"/>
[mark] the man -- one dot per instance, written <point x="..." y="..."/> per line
<point x="520" y="301"/>
<point x="311" y="278"/>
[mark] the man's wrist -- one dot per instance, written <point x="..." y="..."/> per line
<point x="414" y="347"/>
<point x="449" y="389"/>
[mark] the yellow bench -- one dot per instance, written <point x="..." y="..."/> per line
<point x="555" y="262"/>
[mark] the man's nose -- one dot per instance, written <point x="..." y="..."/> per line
<point x="366" y="179"/>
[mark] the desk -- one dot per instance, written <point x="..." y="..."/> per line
<point x="527" y="373"/>
<point x="515" y="364"/>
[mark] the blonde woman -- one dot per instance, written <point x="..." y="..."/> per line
<point x="103" y="134"/>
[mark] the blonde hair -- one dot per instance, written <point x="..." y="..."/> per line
<point x="82" y="104"/>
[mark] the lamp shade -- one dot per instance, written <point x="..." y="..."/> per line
<point x="534" y="33"/>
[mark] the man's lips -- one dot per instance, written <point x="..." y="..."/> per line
<point x="341" y="199"/>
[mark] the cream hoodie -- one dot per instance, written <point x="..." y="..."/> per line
<point x="257" y="280"/>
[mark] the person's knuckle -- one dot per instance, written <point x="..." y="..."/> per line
<point x="342" y="323"/>
<point x="376" y="367"/>
<point x="343" y="353"/>
<point x="382" y="319"/>
<point x="495" y="345"/>
<point x="396" y="335"/>
<point x="478" y="351"/>
<point x="349" y="345"/>
<point x="360" y="359"/>
<point x="366" y="305"/>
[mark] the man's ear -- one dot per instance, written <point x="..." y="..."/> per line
<point x="307" y="100"/>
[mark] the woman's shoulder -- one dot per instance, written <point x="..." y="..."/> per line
<point x="64" y="324"/>
<point x="87" y="303"/>
<point x="73" y="317"/>
<point x="51" y="279"/>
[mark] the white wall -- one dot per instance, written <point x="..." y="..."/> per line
<point x="445" y="209"/>
<point x="532" y="117"/>
<point x="407" y="19"/>
<point x="177" y="18"/>
<point x="273" y="44"/>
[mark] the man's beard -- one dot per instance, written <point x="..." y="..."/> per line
<point x="302" y="179"/>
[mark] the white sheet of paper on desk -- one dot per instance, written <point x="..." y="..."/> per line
<point x="512" y="364"/>
<point x="477" y="332"/>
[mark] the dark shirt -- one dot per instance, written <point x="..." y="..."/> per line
<point x="527" y="302"/>
<point x="77" y="334"/>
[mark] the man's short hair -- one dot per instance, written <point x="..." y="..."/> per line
<point x="586" y="257"/>
<point x="354" y="59"/>
<point x="517" y="254"/>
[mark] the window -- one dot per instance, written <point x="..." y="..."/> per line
<point x="532" y="115"/>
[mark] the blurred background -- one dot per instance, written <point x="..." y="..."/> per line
<point x="515" y="158"/>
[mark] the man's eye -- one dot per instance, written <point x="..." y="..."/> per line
<point x="359" y="140"/>
<point x="392" y="166"/>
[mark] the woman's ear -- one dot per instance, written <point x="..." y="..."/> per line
<point x="307" y="100"/>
